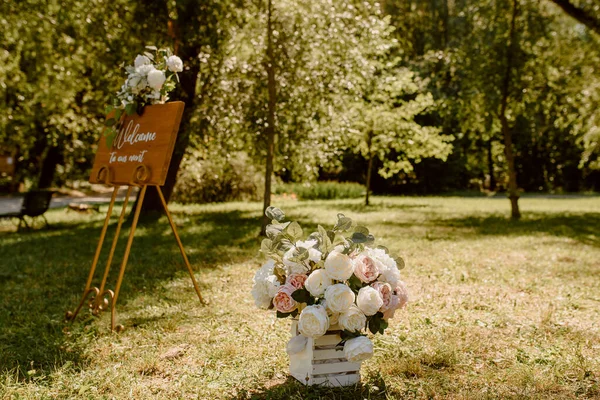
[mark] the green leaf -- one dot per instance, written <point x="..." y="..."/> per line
<point x="387" y="251"/>
<point x="325" y="240"/>
<point x="346" y="334"/>
<point x="400" y="262"/>
<point x="284" y="244"/>
<point x="130" y="108"/>
<point x="343" y="224"/>
<point x="358" y="237"/>
<point x="302" y="295"/>
<point x="361" y="229"/>
<point x="109" y="136"/>
<point x="266" y="246"/>
<point x="354" y="283"/>
<point x="110" y="122"/>
<point x="274" y="213"/>
<point x="283" y="315"/>
<point x="377" y="324"/>
<point x="294" y="230"/>
<point x="280" y="274"/>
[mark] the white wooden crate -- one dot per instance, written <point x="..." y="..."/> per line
<point x="322" y="362"/>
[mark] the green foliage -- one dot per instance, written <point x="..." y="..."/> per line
<point x="217" y="180"/>
<point x="552" y="101"/>
<point x="321" y="190"/>
<point x="377" y="324"/>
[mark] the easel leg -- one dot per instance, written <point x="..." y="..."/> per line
<point x="100" y="303"/>
<point x="185" y="259"/>
<point x="136" y="217"/>
<point x="71" y="316"/>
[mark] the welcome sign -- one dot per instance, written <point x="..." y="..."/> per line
<point x="147" y="139"/>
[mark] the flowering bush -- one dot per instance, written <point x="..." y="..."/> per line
<point x="149" y="81"/>
<point x="334" y="277"/>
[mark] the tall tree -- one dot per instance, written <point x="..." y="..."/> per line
<point x="271" y="101"/>
<point x="513" y="190"/>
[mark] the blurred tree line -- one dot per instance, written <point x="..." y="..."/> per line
<point x="406" y="96"/>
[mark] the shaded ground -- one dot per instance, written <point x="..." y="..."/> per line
<point x="499" y="309"/>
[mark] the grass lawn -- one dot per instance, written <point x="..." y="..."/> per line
<point x="499" y="309"/>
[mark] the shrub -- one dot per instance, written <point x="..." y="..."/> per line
<point x="217" y="180"/>
<point x="321" y="190"/>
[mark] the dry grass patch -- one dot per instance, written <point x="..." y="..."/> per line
<point x="499" y="309"/>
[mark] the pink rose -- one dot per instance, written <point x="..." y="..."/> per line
<point x="365" y="268"/>
<point x="402" y="293"/>
<point x="296" y="280"/>
<point x="385" y="290"/>
<point x="389" y="313"/>
<point x="283" y="301"/>
<point x="398" y="300"/>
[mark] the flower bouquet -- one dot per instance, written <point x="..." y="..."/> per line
<point x="335" y="281"/>
<point x="149" y="81"/>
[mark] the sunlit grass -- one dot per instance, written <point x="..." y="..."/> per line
<point x="499" y="309"/>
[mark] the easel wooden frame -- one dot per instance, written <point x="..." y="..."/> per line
<point x="99" y="300"/>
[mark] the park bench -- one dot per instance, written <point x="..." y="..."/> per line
<point x="35" y="204"/>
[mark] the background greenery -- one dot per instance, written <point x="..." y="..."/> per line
<point x="407" y="92"/>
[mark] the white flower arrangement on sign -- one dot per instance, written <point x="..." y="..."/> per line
<point x="149" y="81"/>
<point x="334" y="277"/>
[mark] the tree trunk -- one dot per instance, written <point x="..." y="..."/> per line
<point x="490" y="162"/>
<point x="369" y="167"/>
<point x="270" y="130"/>
<point x="513" y="192"/>
<point x="188" y="52"/>
<point x="51" y="160"/>
<point x="490" y="155"/>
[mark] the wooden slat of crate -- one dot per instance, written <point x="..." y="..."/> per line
<point x="335" y="367"/>
<point x="327" y="340"/>
<point x="326" y="354"/>
<point x="336" y="380"/>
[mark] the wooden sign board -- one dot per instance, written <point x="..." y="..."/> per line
<point x="147" y="140"/>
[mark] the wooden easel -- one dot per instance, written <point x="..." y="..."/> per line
<point x="101" y="297"/>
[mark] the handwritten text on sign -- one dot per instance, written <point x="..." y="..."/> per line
<point x="146" y="140"/>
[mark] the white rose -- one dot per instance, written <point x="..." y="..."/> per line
<point x="391" y="276"/>
<point x="389" y="268"/>
<point x="296" y="344"/>
<point x="333" y="316"/>
<point x="381" y="256"/>
<point x="339" y="266"/>
<point x="314" y="255"/>
<point x="353" y="319"/>
<point x="272" y="284"/>
<point x="339" y="297"/>
<point x="317" y="282"/>
<point x="369" y="300"/>
<point x="156" y="79"/>
<point x="313" y="321"/>
<point x="174" y="64"/>
<point x="144" y="70"/>
<point x="141" y="60"/>
<point x="261" y="291"/>
<point x="358" y="349"/>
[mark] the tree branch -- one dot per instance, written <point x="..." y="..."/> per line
<point x="583" y="16"/>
